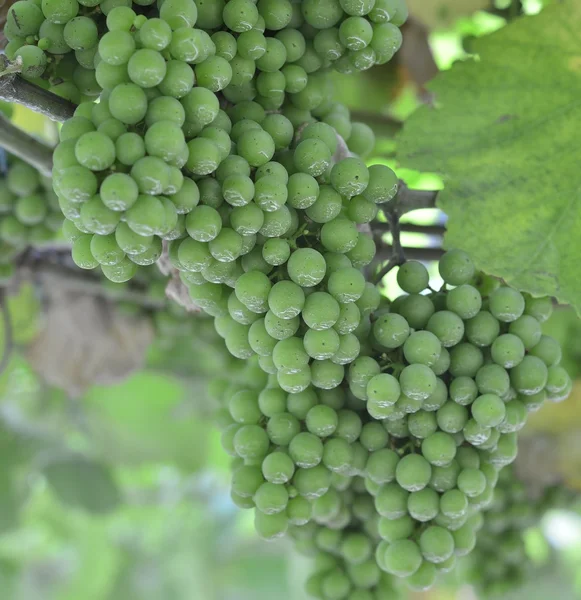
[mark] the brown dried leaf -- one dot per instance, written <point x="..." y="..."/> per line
<point x="86" y="340"/>
<point x="416" y="56"/>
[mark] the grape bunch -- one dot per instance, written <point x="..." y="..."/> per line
<point x="29" y="210"/>
<point x="378" y="454"/>
<point x="229" y="150"/>
<point x="500" y="562"/>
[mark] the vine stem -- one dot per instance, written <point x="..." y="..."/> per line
<point x="17" y="90"/>
<point x="24" y="146"/>
<point x="406" y="201"/>
<point x="397" y="256"/>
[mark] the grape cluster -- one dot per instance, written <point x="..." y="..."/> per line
<point x="379" y="454"/>
<point x="371" y="432"/>
<point x="233" y="189"/>
<point x="500" y="562"/>
<point x="29" y="210"/>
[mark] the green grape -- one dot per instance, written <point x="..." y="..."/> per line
<point x="383" y="184"/>
<point x="465" y="360"/>
<point x="339" y="235"/>
<point x="424" y="578"/>
<point x="270" y="193"/>
<point x="447" y="326"/>
<point x="417" y="310"/>
<point x="112" y="128"/>
<point x="402" y="558"/>
<point x="401" y="528"/>
<point x="149" y="256"/>
<point x="106" y="250"/>
<point x="482" y="329"/>
<point x="321" y="344"/>
<point x="97" y="218"/>
<point x="413" y="472"/>
<point x="271" y="498"/>
<point x="30" y="210"/>
<point x="128" y="103"/>
<point x="320" y="311"/>
<point x="246" y="480"/>
<point x="322" y="421"/>
<point x="465" y="301"/>
<point x="349" y="319"/>
<point x="129" y="148"/>
<point x="256" y="146"/>
<point x="539" y="308"/>
<point x="306" y="267"/>
<point x="24" y="18"/>
<point x="338" y="455"/>
<point x="424" y="505"/>
<point x="165" y="108"/>
<point x="312" y="156"/>
<point x="413" y="277"/>
<point x="548" y="350"/>
<point x="350" y="177"/>
<point x="464" y="540"/>
<point x="488" y="410"/>
<point x="299" y="511"/>
<point x="463" y="390"/>
<point x="289" y="355"/>
<point x="436" y="544"/>
<point x="558" y="379"/>
<point x="439" y="449"/>
<point x="327" y="206"/>
<point x="471" y="482"/>
<point x="215" y="73"/>
<point x="355" y="33"/>
<point x="528" y="329"/>
<point x="422" y="424"/>
<point x="81" y="253"/>
<point x="346" y="285"/>
<point x="270" y="527"/>
<point x="506" y="304"/>
<point x="507" y="350"/>
<point x="452" y="417"/>
<point x="33" y="61"/>
<point x="422" y="347"/>
<point x="493" y="379"/>
<point x="131" y="242"/>
<point x="303" y="190"/>
<point x="251" y="442"/>
<point x="456" y="268"/>
<point x="276" y="251"/>
<point x="529" y="376"/>
<point x="391" y="330"/>
<point x="119" y="191"/>
<point x="417" y="381"/>
<point x="475" y="433"/>
<point x="22" y="179"/>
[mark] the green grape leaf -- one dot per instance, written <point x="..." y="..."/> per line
<point x="83" y="483"/>
<point x="503" y="132"/>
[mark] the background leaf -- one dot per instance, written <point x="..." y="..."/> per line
<point x="83" y="483"/>
<point x="504" y="134"/>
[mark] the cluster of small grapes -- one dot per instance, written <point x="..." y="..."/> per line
<point x="157" y="158"/>
<point x="54" y="43"/>
<point x="500" y="562"/>
<point x="29" y="210"/>
<point x="384" y="467"/>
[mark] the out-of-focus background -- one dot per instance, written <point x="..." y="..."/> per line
<point x="115" y="486"/>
